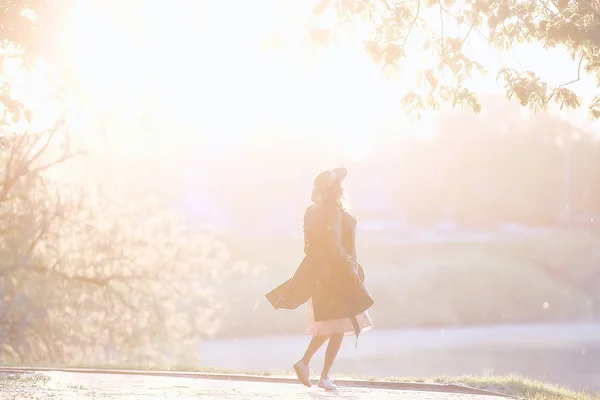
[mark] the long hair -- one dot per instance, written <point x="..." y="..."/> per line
<point x="334" y="195"/>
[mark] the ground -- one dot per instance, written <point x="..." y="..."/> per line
<point x="61" y="385"/>
<point x="559" y="354"/>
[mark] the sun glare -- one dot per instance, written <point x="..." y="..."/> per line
<point x="198" y="75"/>
<point x="204" y="74"/>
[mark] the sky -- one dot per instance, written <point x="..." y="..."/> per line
<point x="202" y="54"/>
<point x="200" y="76"/>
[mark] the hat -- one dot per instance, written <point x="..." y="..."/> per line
<point x="325" y="181"/>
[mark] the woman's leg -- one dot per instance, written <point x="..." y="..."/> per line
<point x="315" y="344"/>
<point x="301" y="367"/>
<point x="333" y="348"/>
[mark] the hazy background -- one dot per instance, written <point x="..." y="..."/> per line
<point x="154" y="247"/>
<point x="479" y="245"/>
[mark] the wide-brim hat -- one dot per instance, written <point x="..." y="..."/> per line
<point x="326" y="181"/>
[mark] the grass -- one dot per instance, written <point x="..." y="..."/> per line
<point x="510" y="384"/>
<point x="421" y="285"/>
<point x="21" y="380"/>
<point x="21" y="385"/>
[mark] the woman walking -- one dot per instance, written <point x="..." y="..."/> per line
<point x="329" y="278"/>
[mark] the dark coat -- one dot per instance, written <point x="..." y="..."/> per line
<point x="329" y="272"/>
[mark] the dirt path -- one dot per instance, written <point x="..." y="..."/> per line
<point x="61" y="385"/>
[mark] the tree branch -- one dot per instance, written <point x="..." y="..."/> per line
<point x="578" y="73"/>
<point x="43" y="230"/>
<point x="470" y="28"/>
<point x="56" y="162"/>
<point x="545" y="4"/>
<point x="4" y="143"/>
<point x="23" y="168"/>
<point x="443" y="38"/>
<point x="412" y="24"/>
<point x="36" y="240"/>
<point x="51" y="132"/>
<point x="122" y="299"/>
<point x="95" y="280"/>
<point x="8" y="181"/>
<point x="512" y="49"/>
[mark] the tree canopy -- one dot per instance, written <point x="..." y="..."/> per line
<point x="34" y="25"/>
<point x="446" y="27"/>
<point x="91" y="271"/>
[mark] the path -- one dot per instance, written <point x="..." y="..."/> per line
<point x="67" y="386"/>
<point x="559" y="353"/>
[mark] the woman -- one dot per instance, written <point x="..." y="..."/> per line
<point x="329" y="278"/>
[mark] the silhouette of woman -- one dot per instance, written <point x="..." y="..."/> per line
<point x="329" y="278"/>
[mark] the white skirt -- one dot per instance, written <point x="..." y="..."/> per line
<point x="336" y="326"/>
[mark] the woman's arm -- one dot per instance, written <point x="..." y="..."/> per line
<point x="324" y="225"/>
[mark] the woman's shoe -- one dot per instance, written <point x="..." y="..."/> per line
<point x="327" y="384"/>
<point x="303" y="373"/>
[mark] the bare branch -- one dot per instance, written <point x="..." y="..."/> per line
<point x="22" y="169"/>
<point x="95" y="280"/>
<point x="470" y="28"/>
<point x="122" y="299"/>
<point x="412" y="24"/>
<point x="8" y="181"/>
<point x="44" y="147"/>
<point x="59" y="161"/>
<point x="545" y="4"/>
<point x="38" y="137"/>
<point x="512" y="49"/>
<point x="578" y="73"/>
<point x="35" y="241"/>
<point x="42" y="231"/>
<point x="443" y="39"/>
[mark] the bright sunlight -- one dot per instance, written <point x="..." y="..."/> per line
<point x="168" y="65"/>
<point x="176" y="175"/>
